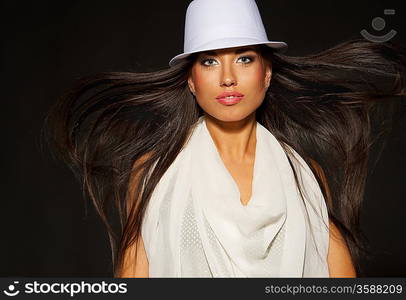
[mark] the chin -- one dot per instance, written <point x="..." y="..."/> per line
<point x="231" y="116"/>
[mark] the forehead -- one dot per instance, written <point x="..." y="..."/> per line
<point x="234" y="50"/>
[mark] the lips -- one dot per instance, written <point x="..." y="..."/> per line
<point x="229" y="98"/>
<point x="226" y="95"/>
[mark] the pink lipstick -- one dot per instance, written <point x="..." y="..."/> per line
<point x="229" y="98"/>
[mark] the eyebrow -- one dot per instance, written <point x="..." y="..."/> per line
<point x="237" y="51"/>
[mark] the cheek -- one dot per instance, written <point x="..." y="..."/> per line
<point x="259" y="75"/>
<point x="254" y="79"/>
<point x="203" y="81"/>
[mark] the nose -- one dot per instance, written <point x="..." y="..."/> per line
<point x="227" y="76"/>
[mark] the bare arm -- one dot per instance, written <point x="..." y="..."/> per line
<point x="338" y="258"/>
<point x="135" y="265"/>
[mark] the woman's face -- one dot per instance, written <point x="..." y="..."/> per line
<point x="241" y="71"/>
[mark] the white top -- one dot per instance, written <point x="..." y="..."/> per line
<point x="196" y="226"/>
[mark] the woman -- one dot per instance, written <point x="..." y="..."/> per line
<point x="237" y="161"/>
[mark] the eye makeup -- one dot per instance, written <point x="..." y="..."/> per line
<point x="251" y="58"/>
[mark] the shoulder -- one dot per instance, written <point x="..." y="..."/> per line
<point x="135" y="176"/>
<point x="323" y="180"/>
<point x="319" y="171"/>
<point x="339" y="258"/>
<point x="141" y="160"/>
<point x="138" y="166"/>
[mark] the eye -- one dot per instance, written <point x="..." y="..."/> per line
<point x="246" y="59"/>
<point x="209" y="60"/>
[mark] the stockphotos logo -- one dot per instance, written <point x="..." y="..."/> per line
<point x="379" y="24"/>
<point x="11" y="290"/>
<point x="66" y="288"/>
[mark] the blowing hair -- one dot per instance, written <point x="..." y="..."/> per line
<point x="120" y="131"/>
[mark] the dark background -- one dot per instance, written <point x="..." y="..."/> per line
<point x="47" y="45"/>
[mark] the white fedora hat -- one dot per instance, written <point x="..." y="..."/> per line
<point x="218" y="24"/>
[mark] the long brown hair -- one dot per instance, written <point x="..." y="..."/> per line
<point x="319" y="104"/>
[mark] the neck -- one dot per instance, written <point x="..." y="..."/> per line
<point x="235" y="140"/>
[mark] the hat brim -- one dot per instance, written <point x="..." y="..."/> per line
<point x="230" y="43"/>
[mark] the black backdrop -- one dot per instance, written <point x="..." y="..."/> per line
<point x="47" y="45"/>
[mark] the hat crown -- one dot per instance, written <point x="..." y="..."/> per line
<point x="219" y="24"/>
<point x="211" y="20"/>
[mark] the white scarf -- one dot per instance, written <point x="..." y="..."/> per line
<point x="196" y="226"/>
